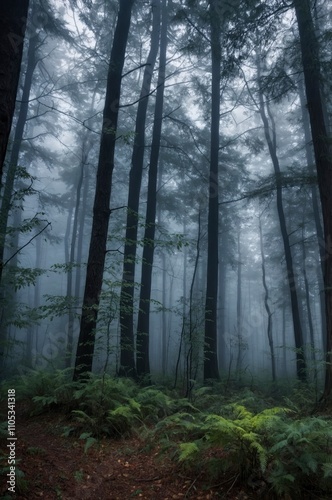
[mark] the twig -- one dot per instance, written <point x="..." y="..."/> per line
<point x="231" y="486"/>
<point x="191" y="486"/>
<point x="28" y="243"/>
<point x="148" y="480"/>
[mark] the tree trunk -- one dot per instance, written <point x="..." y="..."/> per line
<point x="127" y="354"/>
<point x="211" y="370"/>
<point x="13" y="19"/>
<point x="80" y="238"/>
<point x="267" y="306"/>
<point x="323" y="156"/>
<point x="72" y="298"/>
<point x="239" y="308"/>
<point x="315" y="206"/>
<point x="6" y="201"/>
<point x="17" y="141"/>
<point x="222" y="349"/>
<point x="101" y="208"/>
<point x="143" y="325"/>
<point x="291" y="280"/>
<point x="194" y="341"/>
<point x="309" y="312"/>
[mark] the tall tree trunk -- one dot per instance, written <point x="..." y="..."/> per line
<point x="267" y="305"/>
<point x="13" y="19"/>
<point x="194" y="342"/>
<point x="6" y="201"/>
<point x="143" y="324"/>
<point x="101" y="208"/>
<point x="284" y="352"/>
<point x="17" y="142"/>
<point x="76" y="243"/>
<point x="33" y="330"/>
<point x="211" y="370"/>
<point x="80" y="238"/>
<point x="323" y="156"/>
<point x="222" y="350"/>
<point x="271" y="140"/>
<point x="309" y="312"/>
<point x="127" y="354"/>
<point x="239" y="308"/>
<point x="315" y="206"/>
<point x="163" y="318"/>
<point x="72" y="298"/>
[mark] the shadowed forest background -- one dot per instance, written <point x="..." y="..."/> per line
<point x="166" y="221"/>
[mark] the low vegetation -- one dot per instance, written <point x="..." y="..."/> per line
<point x="242" y="436"/>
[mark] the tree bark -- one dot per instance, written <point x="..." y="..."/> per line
<point x="72" y="298"/>
<point x="222" y="349"/>
<point x="17" y="141"/>
<point x="267" y="306"/>
<point x="211" y="370"/>
<point x="6" y="202"/>
<point x="315" y="206"/>
<point x="101" y="208"/>
<point x="291" y="279"/>
<point x="13" y="19"/>
<point x="323" y="157"/>
<point x="240" y="345"/>
<point x="127" y="350"/>
<point x="143" y="324"/>
<point x="194" y="341"/>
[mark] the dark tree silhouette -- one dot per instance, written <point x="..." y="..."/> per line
<point x="323" y="157"/>
<point x="127" y="356"/>
<point x="101" y="208"/>
<point x="271" y="139"/>
<point x="210" y="346"/>
<point x="13" y="19"/>
<point x="143" y="323"/>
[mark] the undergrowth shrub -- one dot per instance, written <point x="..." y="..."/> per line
<point x="154" y="404"/>
<point x="301" y="456"/>
<point x="43" y="390"/>
<point x="288" y="455"/>
<point x="106" y="406"/>
<point x="245" y="439"/>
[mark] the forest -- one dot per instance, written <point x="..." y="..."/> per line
<point x="166" y="249"/>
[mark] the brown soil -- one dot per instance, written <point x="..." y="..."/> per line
<point x="56" y="467"/>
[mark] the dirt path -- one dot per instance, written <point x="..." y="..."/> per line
<point x="56" y="467"/>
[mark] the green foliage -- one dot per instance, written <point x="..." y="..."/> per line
<point x="89" y="440"/>
<point x="106" y="406"/>
<point x="301" y="450"/>
<point x="282" y="449"/>
<point x="20" y="277"/>
<point x="188" y="451"/>
<point x="154" y="404"/>
<point x="245" y="437"/>
<point x="31" y="383"/>
<point x="43" y="389"/>
<point x="290" y="455"/>
<point x="78" y="475"/>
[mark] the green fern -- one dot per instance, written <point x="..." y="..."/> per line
<point x="154" y="404"/>
<point x="89" y="440"/>
<point x="302" y="449"/>
<point x="327" y="470"/>
<point x="188" y="451"/>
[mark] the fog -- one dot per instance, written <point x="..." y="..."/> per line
<point x="229" y="183"/>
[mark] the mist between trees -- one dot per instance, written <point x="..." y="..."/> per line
<point x="166" y="194"/>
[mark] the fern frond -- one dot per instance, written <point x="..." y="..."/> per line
<point x="188" y="451"/>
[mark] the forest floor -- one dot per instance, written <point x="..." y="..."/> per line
<point x="53" y="463"/>
<point x="56" y="467"/>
